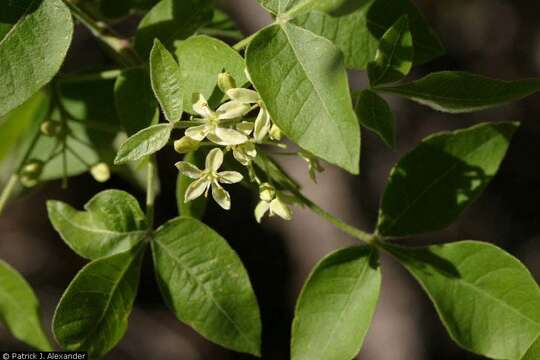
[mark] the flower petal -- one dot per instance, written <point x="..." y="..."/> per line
<point x="214" y="159"/>
<point x="281" y="209"/>
<point x="224" y="136"/>
<point x="201" y="107"/>
<point x="245" y="127"/>
<point x="198" y="133"/>
<point x="244" y="96"/>
<point x="241" y="157"/>
<point x="262" y="125"/>
<point x="221" y="196"/>
<point x="230" y="177"/>
<point x="196" y="189"/>
<point x="185" y="145"/>
<point x="232" y="110"/>
<point x="261" y="209"/>
<point x="188" y="169"/>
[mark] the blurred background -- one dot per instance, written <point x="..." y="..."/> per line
<point x="492" y="37"/>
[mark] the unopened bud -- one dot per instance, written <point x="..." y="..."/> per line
<point x="226" y="82"/>
<point x="186" y="145"/>
<point x="31" y="172"/>
<point x="51" y="128"/>
<point x="267" y="192"/>
<point x="100" y="172"/>
<point x="275" y="133"/>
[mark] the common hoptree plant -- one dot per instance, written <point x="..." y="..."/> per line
<point x="229" y="112"/>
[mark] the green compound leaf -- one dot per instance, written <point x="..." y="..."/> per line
<point x="171" y="21"/>
<point x="146" y="142"/>
<point x="34" y="39"/>
<point x="112" y="223"/>
<point x="135" y="102"/>
<point x="432" y="185"/>
<point x="374" y="113"/>
<point x="202" y="59"/>
<point x="93" y="313"/>
<point x="487" y="299"/>
<point x="394" y="58"/>
<point x="357" y="34"/>
<point x="461" y="92"/>
<point x="165" y="77"/>
<point x="19" y="309"/>
<point x="195" y="208"/>
<point x="336" y="306"/>
<point x="303" y="83"/>
<point x="205" y="284"/>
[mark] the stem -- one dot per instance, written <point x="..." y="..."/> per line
<point x="102" y="75"/>
<point x="150" y="195"/>
<point x="337" y="222"/>
<point x="8" y="190"/>
<point x="231" y="34"/>
<point x="244" y="43"/>
<point x="120" y="48"/>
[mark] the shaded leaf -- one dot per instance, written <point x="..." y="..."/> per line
<point x="135" y="102"/>
<point x="303" y="83"/>
<point x="432" y="185"/>
<point x="145" y="142"/>
<point x="92" y="315"/>
<point x="374" y="113"/>
<point x="459" y="92"/>
<point x="112" y="223"/>
<point x="368" y="23"/>
<point x="165" y="77"/>
<point x="33" y="44"/>
<point x="336" y="306"/>
<point x="487" y="299"/>
<point x="204" y="282"/>
<point x="19" y="309"/>
<point x="394" y="58"/>
<point x="170" y="21"/>
<point x="202" y="59"/>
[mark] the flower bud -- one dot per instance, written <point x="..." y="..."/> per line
<point x="267" y="192"/>
<point x="226" y="82"/>
<point x="31" y="172"/>
<point x="275" y="133"/>
<point x="100" y="172"/>
<point x="186" y="145"/>
<point x="51" y="128"/>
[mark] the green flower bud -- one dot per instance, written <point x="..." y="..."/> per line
<point x="31" y="172"/>
<point x="267" y="192"/>
<point x="186" y="145"/>
<point x="51" y="128"/>
<point x="226" y="82"/>
<point x="100" y="172"/>
<point x="275" y="133"/>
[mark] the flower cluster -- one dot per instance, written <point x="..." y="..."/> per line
<point x="231" y="127"/>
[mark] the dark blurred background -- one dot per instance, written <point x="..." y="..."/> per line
<point x="493" y="37"/>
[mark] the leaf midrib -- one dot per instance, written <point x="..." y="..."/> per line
<point x="112" y="293"/>
<point x="97" y="230"/>
<point x="433" y="184"/>
<point x="346" y="306"/>
<point x="202" y="286"/>
<point x="320" y="97"/>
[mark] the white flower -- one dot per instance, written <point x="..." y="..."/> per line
<point x="212" y="127"/>
<point x="263" y="123"/>
<point x="209" y="177"/>
<point x="244" y="153"/>
<point x="101" y="172"/>
<point x="314" y="166"/>
<point x="272" y="202"/>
